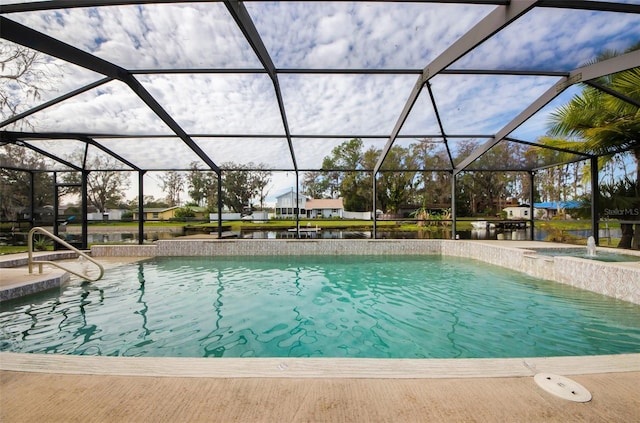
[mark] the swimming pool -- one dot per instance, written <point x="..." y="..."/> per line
<point x="318" y="306"/>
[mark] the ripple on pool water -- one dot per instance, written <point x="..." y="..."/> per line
<point x="393" y="306"/>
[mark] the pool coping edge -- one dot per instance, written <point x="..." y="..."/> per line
<point x="282" y="367"/>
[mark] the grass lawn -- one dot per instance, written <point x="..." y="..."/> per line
<point x="12" y="249"/>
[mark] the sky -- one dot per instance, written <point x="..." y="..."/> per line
<point x="315" y="35"/>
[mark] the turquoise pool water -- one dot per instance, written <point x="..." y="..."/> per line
<point x="353" y="306"/>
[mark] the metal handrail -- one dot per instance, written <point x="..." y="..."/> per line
<point x="31" y="261"/>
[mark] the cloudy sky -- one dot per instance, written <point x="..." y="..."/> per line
<point x="297" y="35"/>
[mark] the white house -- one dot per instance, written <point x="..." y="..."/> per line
<point x="518" y="212"/>
<point x="308" y="207"/>
<point x="109" y="214"/>
<point x="286" y="205"/>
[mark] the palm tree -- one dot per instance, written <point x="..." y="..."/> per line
<point x="621" y="195"/>
<point x="604" y="125"/>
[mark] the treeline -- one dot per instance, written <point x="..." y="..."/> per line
<point x="419" y="176"/>
<point x="414" y="176"/>
<point x="241" y="188"/>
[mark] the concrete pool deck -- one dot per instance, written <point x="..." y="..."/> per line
<point x="71" y="388"/>
<point x="55" y="397"/>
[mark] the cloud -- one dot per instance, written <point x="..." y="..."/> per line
<point x="554" y="39"/>
<point x="360" y="35"/>
<point x="311" y="152"/>
<point x="476" y="104"/>
<point x="52" y="76"/>
<point x="538" y="124"/>
<point x="218" y="104"/>
<point x="111" y="108"/>
<point x="351" y="35"/>
<point x="154" y="153"/>
<point x="344" y="104"/>
<point x="272" y="153"/>
<point x="150" y="36"/>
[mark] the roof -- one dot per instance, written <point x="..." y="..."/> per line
<point x="197" y="209"/>
<point x="328" y="203"/>
<point x="158" y="209"/>
<point x="127" y="82"/>
<point x="287" y="193"/>
<point x="519" y="206"/>
<point x="555" y="205"/>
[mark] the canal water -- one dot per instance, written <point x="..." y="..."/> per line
<point x="20" y="238"/>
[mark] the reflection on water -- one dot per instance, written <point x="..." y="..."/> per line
<point x="20" y="238"/>
<point x="119" y="237"/>
<point x="319" y="306"/>
<point x="332" y="234"/>
<point x="347" y="234"/>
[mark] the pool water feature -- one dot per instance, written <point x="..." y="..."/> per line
<point x="591" y="247"/>
<point x="320" y="306"/>
<point x="598" y="255"/>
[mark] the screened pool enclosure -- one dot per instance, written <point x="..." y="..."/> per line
<point x="283" y="87"/>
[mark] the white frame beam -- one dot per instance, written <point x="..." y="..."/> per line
<point x="587" y="73"/>
<point x="499" y="18"/>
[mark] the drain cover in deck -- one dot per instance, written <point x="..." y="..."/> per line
<point x="562" y="387"/>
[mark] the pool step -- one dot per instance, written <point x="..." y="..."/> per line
<point x="16" y="281"/>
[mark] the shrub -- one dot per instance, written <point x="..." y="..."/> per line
<point x="184" y="212"/>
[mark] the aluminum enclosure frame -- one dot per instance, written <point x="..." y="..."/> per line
<point x="504" y="14"/>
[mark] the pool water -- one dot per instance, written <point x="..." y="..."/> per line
<point x="309" y="306"/>
<point x="582" y="253"/>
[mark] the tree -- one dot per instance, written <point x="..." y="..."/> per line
<point x="314" y="185"/>
<point x="25" y="74"/>
<point x="202" y="185"/>
<point x="396" y="187"/>
<point x="240" y="186"/>
<point x="15" y="185"/>
<point x="482" y="192"/>
<point x="400" y="183"/>
<point x="212" y="193"/>
<point x="184" y="213"/>
<point x="148" y="201"/>
<point x="172" y="184"/>
<point x="433" y="187"/>
<point x="468" y="196"/>
<point x="621" y="196"/>
<point x="260" y="178"/>
<point x="605" y="123"/>
<point x="105" y="188"/>
<point x="352" y="183"/>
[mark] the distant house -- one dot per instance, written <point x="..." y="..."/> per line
<point x="109" y="214"/>
<point x="518" y="212"/>
<point x="550" y="209"/>
<point x="156" y="213"/>
<point x="325" y="208"/>
<point x="287" y="207"/>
